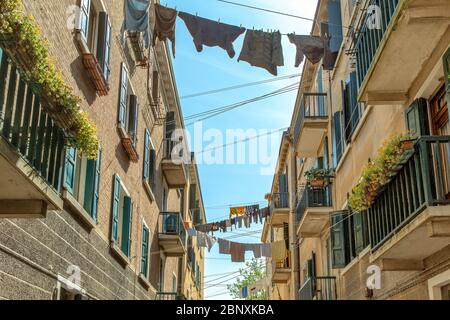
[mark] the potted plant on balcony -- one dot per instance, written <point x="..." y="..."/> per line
<point x="378" y="172"/>
<point x="319" y="177"/>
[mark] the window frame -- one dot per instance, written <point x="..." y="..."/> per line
<point x="148" y="257"/>
<point x="117" y="240"/>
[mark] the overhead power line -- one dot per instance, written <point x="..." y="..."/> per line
<point x="245" y="85"/>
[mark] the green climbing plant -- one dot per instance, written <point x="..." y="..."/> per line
<point x="377" y="172"/>
<point x="21" y="35"/>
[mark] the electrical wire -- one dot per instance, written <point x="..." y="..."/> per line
<point x="245" y="85"/>
<point x="276" y="12"/>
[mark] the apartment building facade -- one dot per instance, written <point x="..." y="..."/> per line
<point x="391" y="77"/>
<point x="113" y="227"/>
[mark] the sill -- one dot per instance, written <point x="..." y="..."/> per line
<point x="128" y="145"/>
<point x="149" y="190"/>
<point x="119" y="255"/>
<point x="77" y="210"/>
<point x="143" y="281"/>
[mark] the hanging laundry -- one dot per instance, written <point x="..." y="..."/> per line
<point x="240" y="219"/>
<point x="265" y="212"/>
<point x="266" y="250"/>
<point x="247" y="221"/>
<point x="237" y="251"/>
<point x="210" y="242"/>
<point x="313" y="47"/>
<point x="201" y="239"/>
<point x="233" y="223"/>
<point x="224" y="246"/>
<point x="136" y="18"/>
<point x="263" y="49"/>
<point x="243" y="293"/>
<point x="192" y="232"/>
<point x="237" y="211"/>
<point x="279" y="251"/>
<point x="211" y="33"/>
<point x="165" y="23"/>
<point x="255" y="248"/>
<point x="223" y="226"/>
<point x="329" y="58"/>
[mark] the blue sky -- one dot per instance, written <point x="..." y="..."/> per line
<point x="224" y="184"/>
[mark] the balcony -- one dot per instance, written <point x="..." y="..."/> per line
<point x="318" y="288"/>
<point x="410" y="219"/>
<point x="169" y="296"/>
<point x="31" y="149"/>
<point x="392" y="51"/>
<point x="313" y="211"/>
<point x="311" y="124"/>
<point x="279" y="208"/>
<point x="281" y="270"/>
<point x="172" y="234"/>
<point x="173" y="165"/>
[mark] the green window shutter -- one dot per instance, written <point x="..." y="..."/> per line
<point x="115" y="213"/>
<point x="104" y="43"/>
<point x="145" y="249"/>
<point x="98" y="164"/>
<point x="146" y="154"/>
<point x="339" y="244"/>
<point x="133" y="118"/>
<point x="446" y="61"/>
<point x="155" y="87"/>
<point x="89" y="185"/>
<point x="416" y="117"/>
<point x="126" y="225"/>
<point x="338" y="141"/>
<point x="83" y="19"/>
<point x="192" y="196"/>
<point x="152" y="171"/>
<point x="358" y="230"/>
<point x="335" y="24"/>
<point x="70" y="166"/>
<point x="326" y="157"/>
<point x="170" y="124"/>
<point x="320" y="99"/>
<point x="123" y="96"/>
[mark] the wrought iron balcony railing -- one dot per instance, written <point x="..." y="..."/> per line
<point x="27" y="127"/>
<point x="318" y="288"/>
<point x="312" y="197"/>
<point x="280" y="200"/>
<point x="312" y="106"/>
<point x="171" y="223"/>
<point x="422" y="180"/>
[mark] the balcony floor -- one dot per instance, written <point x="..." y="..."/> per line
<point x="314" y="221"/>
<point x="171" y="245"/>
<point x="426" y="234"/>
<point x="311" y="135"/>
<point x="174" y="173"/>
<point x="279" y="216"/>
<point x="281" y="275"/>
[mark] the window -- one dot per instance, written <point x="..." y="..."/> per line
<point x="446" y="62"/>
<point x="145" y="249"/>
<point x="128" y="114"/>
<point x="338" y="141"/>
<point x="149" y="170"/>
<point x="335" y="24"/>
<point x="349" y="236"/>
<point x="94" y="29"/>
<point x="121" y="217"/>
<point x="82" y="180"/>
<point x="350" y="107"/>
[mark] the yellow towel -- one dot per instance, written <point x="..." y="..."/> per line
<point x="279" y="250"/>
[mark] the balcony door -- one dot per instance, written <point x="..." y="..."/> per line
<point x="441" y="127"/>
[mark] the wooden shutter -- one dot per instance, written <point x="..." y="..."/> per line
<point x="70" y="167"/>
<point x="155" y="87"/>
<point x="83" y="19"/>
<point x="89" y="185"/>
<point x="339" y="244"/>
<point x="417" y="118"/>
<point x="335" y="24"/>
<point x="446" y="62"/>
<point x="320" y="99"/>
<point x="98" y="163"/>
<point x="170" y="124"/>
<point x="126" y="225"/>
<point x="338" y="141"/>
<point x="104" y="43"/>
<point x="326" y="156"/>
<point x="152" y="170"/>
<point x="352" y="92"/>
<point x="192" y="196"/>
<point x="358" y="231"/>
<point x="144" y="253"/>
<point x="123" y="96"/>
<point x="115" y="213"/>
<point x="146" y="154"/>
<point x="133" y="118"/>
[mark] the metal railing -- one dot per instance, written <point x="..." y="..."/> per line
<point x="173" y="150"/>
<point x="169" y="296"/>
<point x="312" y="197"/>
<point x="282" y="264"/>
<point x="421" y="180"/>
<point x="370" y="35"/>
<point x="312" y="105"/>
<point x="196" y="215"/>
<point x="280" y="200"/>
<point x="27" y="127"/>
<point x="171" y="223"/>
<point x="318" y="288"/>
